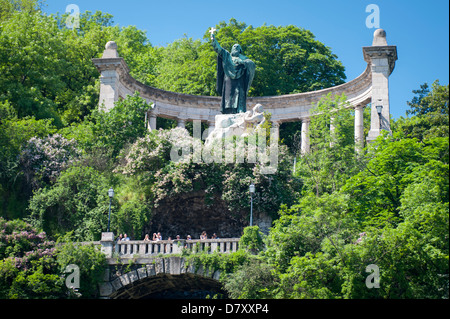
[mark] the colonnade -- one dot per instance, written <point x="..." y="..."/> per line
<point x="371" y="87"/>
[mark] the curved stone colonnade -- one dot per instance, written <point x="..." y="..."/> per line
<point x="372" y="86"/>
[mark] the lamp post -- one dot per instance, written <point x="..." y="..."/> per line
<point x="252" y="191"/>
<point x="379" y="109"/>
<point x="111" y="195"/>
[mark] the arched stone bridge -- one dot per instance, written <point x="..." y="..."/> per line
<point x="149" y="269"/>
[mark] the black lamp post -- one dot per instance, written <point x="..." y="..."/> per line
<point x="252" y="191"/>
<point x="111" y="195"/>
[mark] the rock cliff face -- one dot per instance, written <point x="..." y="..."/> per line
<point x="190" y="214"/>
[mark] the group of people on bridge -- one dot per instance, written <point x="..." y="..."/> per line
<point x="158" y="237"/>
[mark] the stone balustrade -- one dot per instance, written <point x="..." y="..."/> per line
<point x="142" y="249"/>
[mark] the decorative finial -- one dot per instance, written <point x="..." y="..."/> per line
<point x="379" y="38"/>
<point x="110" y="50"/>
<point x="111" y="45"/>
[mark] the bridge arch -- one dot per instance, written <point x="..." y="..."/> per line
<point x="167" y="286"/>
<point x="158" y="277"/>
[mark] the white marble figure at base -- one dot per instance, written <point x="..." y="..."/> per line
<point x="240" y="124"/>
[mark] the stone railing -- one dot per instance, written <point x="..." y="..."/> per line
<point x="141" y="248"/>
<point x="166" y="247"/>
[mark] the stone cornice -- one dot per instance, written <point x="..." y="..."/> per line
<point x="284" y="108"/>
<point x="378" y="52"/>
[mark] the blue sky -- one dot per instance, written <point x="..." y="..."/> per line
<point x="419" y="29"/>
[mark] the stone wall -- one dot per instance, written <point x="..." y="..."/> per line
<point x="190" y="214"/>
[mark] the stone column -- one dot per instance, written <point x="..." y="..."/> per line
<point x="305" y="147"/>
<point x="276" y="127"/>
<point x="151" y="121"/>
<point x="382" y="60"/>
<point x="181" y="123"/>
<point x="332" y="131"/>
<point x="359" y="127"/>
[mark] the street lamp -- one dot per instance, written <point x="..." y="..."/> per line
<point x="379" y="108"/>
<point x="252" y="191"/>
<point x="111" y="195"/>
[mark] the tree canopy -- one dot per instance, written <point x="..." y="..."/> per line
<point x="288" y="59"/>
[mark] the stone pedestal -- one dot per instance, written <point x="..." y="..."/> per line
<point x="107" y="243"/>
<point x="240" y="124"/>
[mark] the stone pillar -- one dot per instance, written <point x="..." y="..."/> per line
<point x="305" y="147"/>
<point x="332" y="131"/>
<point x="276" y="127"/>
<point x="111" y="67"/>
<point x="181" y="123"/>
<point x="382" y="60"/>
<point x="151" y="121"/>
<point x="107" y="243"/>
<point x="109" y="89"/>
<point x="359" y="127"/>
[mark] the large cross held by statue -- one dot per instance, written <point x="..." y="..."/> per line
<point x="212" y="30"/>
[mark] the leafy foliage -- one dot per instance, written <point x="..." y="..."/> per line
<point x="288" y="60"/>
<point x="76" y="202"/>
<point x="391" y="211"/>
<point x="32" y="267"/>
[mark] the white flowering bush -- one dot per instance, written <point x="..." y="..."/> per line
<point x="43" y="159"/>
<point x="153" y="151"/>
<point x="176" y="163"/>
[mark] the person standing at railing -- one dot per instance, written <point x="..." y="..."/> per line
<point x="146" y="238"/>
<point x="203" y="236"/>
<point x="187" y="238"/>
<point x="125" y="237"/>
<point x="155" y="237"/>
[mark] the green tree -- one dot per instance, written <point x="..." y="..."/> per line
<point x="76" y="202"/>
<point x="32" y="267"/>
<point x="288" y="59"/>
<point x="430" y="110"/>
<point x="426" y="102"/>
<point x="252" y="280"/>
<point x="120" y="126"/>
<point x="375" y="192"/>
<point x="14" y="133"/>
<point x="187" y="66"/>
<point x="332" y="159"/>
<point x="251" y="240"/>
<point x="90" y="261"/>
<point x="27" y="263"/>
